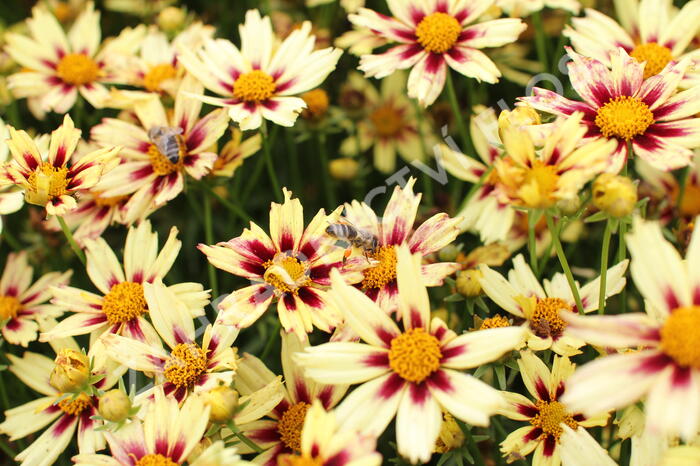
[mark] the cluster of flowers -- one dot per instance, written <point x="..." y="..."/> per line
<point x="362" y="342"/>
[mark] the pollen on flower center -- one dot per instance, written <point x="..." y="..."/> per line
<point x="155" y="459"/>
<point x="382" y="273"/>
<point x="291" y="423"/>
<point x="624" y="117"/>
<point x="546" y="321"/>
<point x="75" y="406"/>
<point x="286" y="273"/>
<point x="550" y="417"/>
<point x="539" y="184"/>
<point x="162" y="166"/>
<point x="680" y="336"/>
<point x="494" y="322"/>
<point x="414" y="355"/>
<point x="157" y="74"/>
<point x="656" y="57"/>
<point x="124" y="302"/>
<point x="45" y="183"/>
<point x="77" y="69"/>
<point x="186" y="363"/>
<point x="299" y="460"/>
<point x="387" y="121"/>
<point x="9" y="307"/>
<point x="438" y="32"/>
<point x="255" y="86"/>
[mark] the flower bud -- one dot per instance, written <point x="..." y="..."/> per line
<point x="614" y="195"/>
<point x="316" y="104"/>
<point x="71" y="371"/>
<point x="448" y="253"/>
<point x="569" y="206"/>
<point x="450" y="437"/>
<point x="171" y="19"/>
<point x="114" y="405"/>
<point x="523" y="115"/>
<point x="468" y="283"/>
<point x="344" y="168"/>
<point x="496" y="321"/>
<point x="223" y="401"/>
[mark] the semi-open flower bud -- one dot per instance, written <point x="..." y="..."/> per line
<point x="344" y="168"/>
<point x="468" y="283"/>
<point x="223" y="402"/>
<point x="171" y="19"/>
<point x="114" y="405"/>
<point x="614" y="195"/>
<point x="71" y="371"/>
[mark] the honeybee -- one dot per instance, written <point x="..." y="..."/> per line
<point x="356" y="237"/>
<point x="165" y="139"/>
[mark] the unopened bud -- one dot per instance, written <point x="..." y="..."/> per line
<point x="223" y="402"/>
<point x="518" y="118"/>
<point x="569" y="206"/>
<point x="614" y="195"/>
<point x="316" y="104"/>
<point x="468" y="283"/>
<point x="450" y="437"/>
<point x="344" y="168"/>
<point x="71" y="371"/>
<point x="114" y="405"/>
<point x="171" y="18"/>
<point x="448" y="253"/>
<point x="496" y="321"/>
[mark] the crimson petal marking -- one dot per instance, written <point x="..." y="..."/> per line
<point x="64" y="422"/>
<point x="418" y="392"/>
<point x="653" y="364"/>
<point x="265" y="435"/>
<point x="378" y="359"/>
<point x="527" y="410"/>
<point x="391" y="386"/>
<point x="550" y="444"/>
<point x="310" y="297"/>
<point x="339" y="459"/>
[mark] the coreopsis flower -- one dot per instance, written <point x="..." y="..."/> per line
<point x="538" y="179"/>
<point x="153" y="173"/>
<point x="484" y="212"/>
<point x="664" y="368"/>
<point x="263" y="77"/>
<point x="121" y="307"/>
<point x="11" y="198"/>
<point x="653" y="32"/>
<point x="234" y="153"/>
<point x="156" y="67"/>
<point x="523" y="8"/>
<point x="647" y="114"/>
<point x="186" y="366"/>
<point x="53" y="183"/>
<point x="394" y="229"/>
<point x="543" y="308"/>
<point x="291" y="266"/>
<point x="325" y="443"/>
<point x="66" y="412"/>
<point x="167" y="435"/>
<point x="391" y="125"/>
<point x="664" y="191"/>
<point x="411" y="374"/>
<point x="434" y="36"/>
<point x="282" y="433"/>
<point x="22" y="304"/>
<point x="62" y="65"/>
<point x="546" y="414"/>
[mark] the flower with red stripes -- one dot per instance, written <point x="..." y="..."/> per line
<point x="291" y="266"/>
<point x="262" y="79"/>
<point x="547" y="434"/>
<point x="412" y="374"/>
<point x="160" y="151"/>
<point x="664" y="366"/>
<point x="53" y="182"/>
<point x="434" y="35"/>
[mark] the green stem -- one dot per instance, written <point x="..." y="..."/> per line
<point x="604" y="265"/>
<point x="241" y="436"/>
<point x="267" y="149"/>
<point x="331" y="201"/>
<point x="209" y="238"/>
<point x="6" y="448"/>
<point x="293" y="159"/>
<point x="540" y="40"/>
<point x="254" y="178"/>
<point x="681" y="190"/>
<point x="69" y="236"/>
<point x="457" y="111"/>
<point x="235" y="209"/>
<point x="273" y="337"/>
<point x="427" y="180"/>
<point x="564" y="263"/>
<point x="532" y="218"/>
<point x="11" y="240"/>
